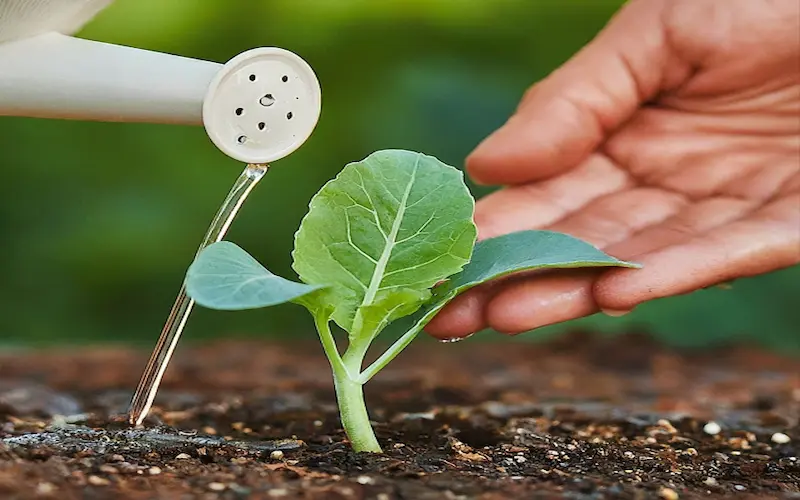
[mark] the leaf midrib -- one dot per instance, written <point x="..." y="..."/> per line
<point x="383" y="261"/>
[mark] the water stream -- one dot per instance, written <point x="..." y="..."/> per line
<point x="154" y="371"/>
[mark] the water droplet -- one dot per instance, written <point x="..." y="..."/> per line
<point x="255" y="171"/>
<point x="453" y="340"/>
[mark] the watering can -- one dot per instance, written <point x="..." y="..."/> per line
<point x="258" y="107"/>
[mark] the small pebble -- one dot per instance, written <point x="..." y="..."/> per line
<point x="668" y="494"/>
<point x="365" y="480"/>
<point x="98" y="481"/>
<point x="739" y="487"/>
<point x="182" y="456"/>
<point x="128" y="468"/>
<point x="210" y="431"/>
<point x="276" y="455"/>
<point x="216" y="486"/>
<point x="116" y="458"/>
<point x="780" y="438"/>
<point x="154" y="471"/>
<point x="108" y="469"/>
<point x="45" y="489"/>
<point x="278" y="492"/>
<point x="710" y="481"/>
<point x="667" y="425"/>
<point x="712" y="428"/>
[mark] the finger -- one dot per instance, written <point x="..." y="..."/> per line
<point x="526" y="207"/>
<point x="544" y="300"/>
<point x="533" y="206"/>
<point x="767" y="240"/>
<point x="526" y="304"/>
<point x="462" y="317"/>
<point x="562" y="119"/>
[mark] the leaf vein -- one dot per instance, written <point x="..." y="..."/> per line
<point x="383" y="261"/>
<point x="352" y="243"/>
<point x="419" y="231"/>
<point x="363" y="187"/>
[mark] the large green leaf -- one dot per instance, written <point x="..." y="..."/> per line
<point x="223" y="276"/>
<point x="381" y="234"/>
<point x="517" y="252"/>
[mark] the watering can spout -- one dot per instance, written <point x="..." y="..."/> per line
<point x="59" y="76"/>
<point x="258" y="107"/>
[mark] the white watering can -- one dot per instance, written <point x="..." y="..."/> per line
<point x="257" y="108"/>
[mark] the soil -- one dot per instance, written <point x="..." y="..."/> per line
<point x="579" y="418"/>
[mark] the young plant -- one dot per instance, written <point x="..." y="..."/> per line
<point x="375" y="244"/>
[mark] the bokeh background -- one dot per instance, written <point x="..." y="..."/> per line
<point x="99" y="221"/>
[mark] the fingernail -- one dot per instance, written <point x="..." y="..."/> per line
<point x="615" y="313"/>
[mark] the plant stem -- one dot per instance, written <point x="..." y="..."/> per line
<point x="349" y="390"/>
<point x="396" y="348"/>
<point x="321" y="321"/>
<point x="353" y="412"/>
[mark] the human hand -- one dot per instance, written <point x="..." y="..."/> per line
<point x="671" y="140"/>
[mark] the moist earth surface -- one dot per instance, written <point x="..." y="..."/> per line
<point x="580" y="417"/>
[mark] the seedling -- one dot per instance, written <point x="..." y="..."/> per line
<point x="391" y="236"/>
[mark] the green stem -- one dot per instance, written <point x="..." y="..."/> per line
<point x="396" y="348"/>
<point x="355" y="418"/>
<point x="349" y="391"/>
<point x="322" y="322"/>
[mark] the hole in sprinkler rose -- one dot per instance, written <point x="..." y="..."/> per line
<point x="289" y="115"/>
<point x="252" y="78"/>
<point x="241" y="139"/>
<point x="267" y="100"/>
<point x="285" y="79"/>
<point x="239" y="111"/>
<point x="262" y="126"/>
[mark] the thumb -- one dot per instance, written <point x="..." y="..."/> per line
<point x="562" y="119"/>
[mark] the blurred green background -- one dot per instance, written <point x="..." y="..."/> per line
<point x="99" y="220"/>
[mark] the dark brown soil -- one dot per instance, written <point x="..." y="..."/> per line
<point x="579" y="418"/>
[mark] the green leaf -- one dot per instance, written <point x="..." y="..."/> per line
<point x="381" y="234"/>
<point x="517" y="252"/>
<point x="223" y="276"/>
<point x="400" y="304"/>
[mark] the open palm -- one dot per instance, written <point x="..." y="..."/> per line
<point x="672" y="140"/>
